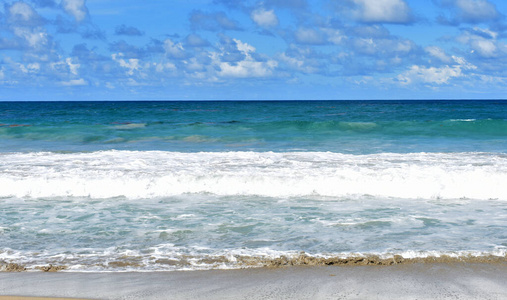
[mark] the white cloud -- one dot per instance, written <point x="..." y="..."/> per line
<point x="162" y="67"/>
<point x="483" y="42"/>
<point x="334" y="36"/>
<point x="74" y="82"/>
<point x="383" y="11"/>
<point x="173" y="49"/>
<point x="20" y="11"/>
<point x="72" y="66"/>
<point x="476" y="10"/>
<point x="244" y="47"/>
<point x="35" y="37"/>
<point x="488" y="79"/>
<point x="486" y="32"/>
<point x="298" y="64"/>
<point x="76" y="8"/>
<point x="302" y="59"/>
<point x="131" y="64"/>
<point x="25" y="23"/>
<point x="433" y="75"/>
<point x="430" y="75"/>
<point x="30" y="68"/>
<point x="384" y="46"/>
<point x="403" y="46"/>
<point x="486" y="48"/>
<point x="437" y="52"/>
<point x="67" y="67"/>
<point x="264" y="18"/>
<point x="193" y="65"/>
<point x="246" y="68"/>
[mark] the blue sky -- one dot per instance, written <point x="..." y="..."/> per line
<point x="271" y="49"/>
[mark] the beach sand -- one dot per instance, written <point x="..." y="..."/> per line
<point x="35" y="298"/>
<point x="405" y="281"/>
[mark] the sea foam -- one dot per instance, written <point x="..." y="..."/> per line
<point x="147" y="174"/>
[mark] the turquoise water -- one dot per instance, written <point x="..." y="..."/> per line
<point x="136" y="186"/>
<point x="337" y="126"/>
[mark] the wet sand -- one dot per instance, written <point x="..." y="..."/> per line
<point x="403" y="281"/>
<point x="35" y="298"/>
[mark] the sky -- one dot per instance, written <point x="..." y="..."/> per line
<point x="252" y="49"/>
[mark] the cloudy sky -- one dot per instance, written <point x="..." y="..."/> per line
<point x="252" y="49"/>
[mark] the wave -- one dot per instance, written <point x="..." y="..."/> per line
<point x="148" y="174"/>
<point x="172" y="259"/>
<point x="450" y="127"/>
<point x="238" y="130"/>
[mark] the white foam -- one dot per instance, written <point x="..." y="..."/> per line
<point x="144" y="174"/>
<point x="463" y="120"/>
<point x="194" y="258"/>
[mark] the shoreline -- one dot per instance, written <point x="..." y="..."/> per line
<point x="243" y="262"/>
<point x="402" y="281"/>
<point x="36" y="298"/>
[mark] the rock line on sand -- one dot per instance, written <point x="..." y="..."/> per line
<point x="301" y="259"/>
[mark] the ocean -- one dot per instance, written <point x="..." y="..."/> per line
<point x="191" y="185"/>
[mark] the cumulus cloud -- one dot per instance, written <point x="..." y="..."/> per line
<point x="246" y="68"/>
<point x="228" y="49"/>
<point x="303" y="60"/>
<point x="434" y="75"/>
<point x="264" y="18"/>
<point x="73" y="67"/>
<point x="30" y="68"/>
<point x="483" y="42"/>
<point x="174" y="50"/>
<point x="430" y="75"/>
<point x="36" y="38"/>
<point x="22" y="14"/>
<point x="382" y="11"/>
<point x="314" y="43"/>
<point x="26" y="24"/>
<point x="55" y="70"/>
<point x="470" y="11"/>
<point x="438" y="53"/>
<point x="131" y="64"/>
<point x="383" y="47"/>
<point x="75" y="8"/>
<point x="334" y="36"/>
<point x="74" y="82"/>
<point x="474" y="11"/>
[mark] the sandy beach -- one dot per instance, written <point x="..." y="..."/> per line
<point x="410" y="281"/>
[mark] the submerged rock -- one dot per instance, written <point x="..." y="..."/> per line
<point x="12" y="267"/>
<point x="51" y="268"/>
